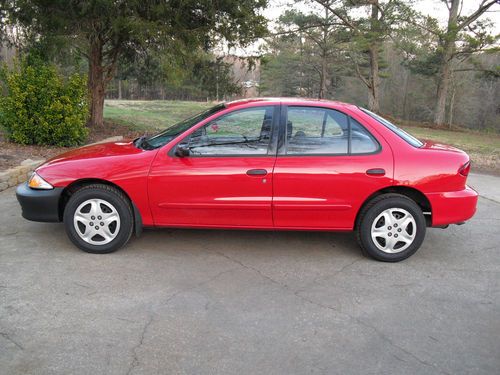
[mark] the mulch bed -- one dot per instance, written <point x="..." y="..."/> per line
<point x="12" y="154"/>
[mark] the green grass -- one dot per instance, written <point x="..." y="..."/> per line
<point x="150" y="116"/>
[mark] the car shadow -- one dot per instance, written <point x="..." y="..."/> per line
<point x="245" y="241"/>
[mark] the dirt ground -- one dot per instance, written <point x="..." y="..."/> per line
<point x="12" y="154"/>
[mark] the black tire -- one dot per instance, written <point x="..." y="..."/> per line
<point x="111" y="195"/>
<point x="372" y="210"/>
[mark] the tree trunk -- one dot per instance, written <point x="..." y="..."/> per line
<point x="322" y="86"/>
<point x="324" y="56"/>
<point x="405" y="95"/>
<point x="443" y="86"/>
<point x="448" y="45"/>
<point x="96" y="84"/>
<point x="374" y="89"/>
<point x="120" y="89"/>
<point x="374" y="79"/>
<point x="452" y="107"/>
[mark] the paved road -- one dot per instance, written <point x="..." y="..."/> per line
<point x="229" y="302"/>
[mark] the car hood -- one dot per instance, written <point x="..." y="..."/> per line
<point x="95" y="151"/>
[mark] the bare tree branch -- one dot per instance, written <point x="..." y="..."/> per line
<point x="347" y="22"/>
<point x="474" y="16"/>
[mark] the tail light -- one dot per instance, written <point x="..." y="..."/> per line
<point x="465" y="169"/>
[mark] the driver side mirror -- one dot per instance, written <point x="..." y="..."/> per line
<point x="181" y="151"/>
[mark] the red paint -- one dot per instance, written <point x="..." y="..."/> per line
<point x="298" y="192"/>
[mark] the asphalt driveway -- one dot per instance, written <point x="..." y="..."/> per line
<point x="234" y="302"/>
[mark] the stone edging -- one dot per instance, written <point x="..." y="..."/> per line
<point x="16" y="175"/>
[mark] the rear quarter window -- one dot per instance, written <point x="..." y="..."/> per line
<point x="400" y="132"/>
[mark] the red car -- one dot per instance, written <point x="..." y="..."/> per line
<point x="280" y="164"/>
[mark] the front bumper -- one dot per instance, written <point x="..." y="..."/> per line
<point x="39" y="205"/>
<point x="453" y="207"/>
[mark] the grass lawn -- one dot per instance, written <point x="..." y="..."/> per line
<point x="149" y="116"/>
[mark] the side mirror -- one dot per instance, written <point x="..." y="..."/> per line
<point x="181" y="151"/>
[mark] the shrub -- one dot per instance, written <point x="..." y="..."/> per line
<point x="41" y="107"/>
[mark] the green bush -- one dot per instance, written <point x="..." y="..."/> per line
<point x="41" y="107"/>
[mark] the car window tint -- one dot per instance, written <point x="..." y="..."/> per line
<point x="313" y="130"/>
<point x="400" y="132"/>
<point x="362" y="142"/>
<point x="243" y="132"/>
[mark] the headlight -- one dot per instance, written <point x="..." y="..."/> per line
<point x="36" y="182"/>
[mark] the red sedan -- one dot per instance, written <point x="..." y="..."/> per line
<point x="281" y="164"/>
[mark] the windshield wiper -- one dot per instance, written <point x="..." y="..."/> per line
<point x="142" y="143"/>
<point x="138" y="141"/>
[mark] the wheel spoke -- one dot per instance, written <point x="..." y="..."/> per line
<point x="388" y="218"/>
<point x="405" y="237"/>
<point x="106" y="233"/>
<point x="389" y="244"/>
<point x="380" y="232"/>
<point x="405" y="222"/>
<point x="109" y="218"/>
<point x="94" y="207"/>
<point x="90" y="232"/>
<point x="82" y="218"/>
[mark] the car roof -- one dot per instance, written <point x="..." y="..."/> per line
<point x="290" y="101"/>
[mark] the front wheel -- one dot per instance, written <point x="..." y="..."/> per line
<point x="98" y="219"/>
<point x="391" y="228"/>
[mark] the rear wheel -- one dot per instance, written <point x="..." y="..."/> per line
<point x="391" y="228"/>
<point x="98" y="219"/>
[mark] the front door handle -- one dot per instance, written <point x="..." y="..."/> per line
<point x="256" y="172"/>
<point x="375" y="172"/>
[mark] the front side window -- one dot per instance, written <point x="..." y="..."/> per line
<point x="323" y="131"/>
<point x="242" y="132"/>
<point x="173" y="131"/>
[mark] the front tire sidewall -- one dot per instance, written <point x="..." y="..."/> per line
<point x="366" y="222"/>
<point x="121" y="206"/>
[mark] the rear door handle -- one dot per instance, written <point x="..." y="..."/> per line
<point x="256" y="172"/>
<point x="375" y="172"/>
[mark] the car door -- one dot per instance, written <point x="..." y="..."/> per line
<point x="327" y="165"/>
<point x="224" y="179"/>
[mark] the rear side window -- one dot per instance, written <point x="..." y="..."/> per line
<point x="400" y="132"/>
<point x="312" y="131"/>
<point x="362" y="142"/>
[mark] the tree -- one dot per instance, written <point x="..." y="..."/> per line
<point x="104" y="30"/>
<point x="473" y="41"/>
<point x="321" y="30"/>
<point x="368" y="36"/>
<point x="285" y="67"/>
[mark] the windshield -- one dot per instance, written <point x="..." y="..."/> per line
<point x="406" y="136"/>
<point x="173" y="131"/>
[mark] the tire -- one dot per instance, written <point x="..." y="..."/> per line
<point x="382" y="220"/>
<point x="98" y="219"/>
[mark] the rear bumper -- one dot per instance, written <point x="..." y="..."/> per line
<point x="39" y="205"/>
<point x="453" y="207"/>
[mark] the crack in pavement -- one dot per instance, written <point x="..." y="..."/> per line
<point x="7" y="337"/>
<point x="333" y="275"/>
<point x="489" y="199"/>
<point x="135" y="358"/>
<point x="354" y="319"/>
